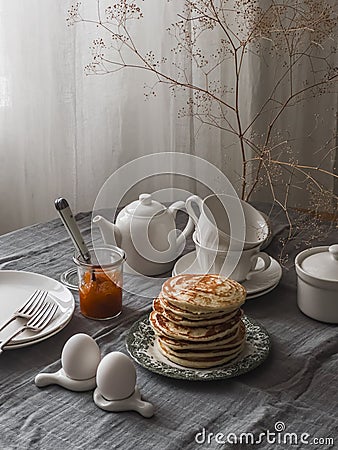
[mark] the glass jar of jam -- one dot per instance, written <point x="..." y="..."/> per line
<point x="101" y="282"/>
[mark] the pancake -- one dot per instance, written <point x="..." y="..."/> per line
<point x="203" y="293"/>
<point x="190" y="315"/>
<point x="200" y="363"/>
<point x="237" y="336"/>
<point x="206" y="353"/>
<point x="198" y="322"/>
<point x="161" y="325"/>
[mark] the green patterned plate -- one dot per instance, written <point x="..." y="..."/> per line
<point x="143" y="348"/>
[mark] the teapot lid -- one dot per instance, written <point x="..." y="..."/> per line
<point x="323" y="263"/>
<point x="145" y="206"/>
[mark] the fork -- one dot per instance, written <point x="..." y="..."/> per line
<point x="28" y="310"/>
<point x="36" y="323"/>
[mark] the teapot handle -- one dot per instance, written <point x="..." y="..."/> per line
<point x="180" y="205"/>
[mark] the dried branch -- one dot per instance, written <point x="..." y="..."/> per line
<point x="285" y="34"/>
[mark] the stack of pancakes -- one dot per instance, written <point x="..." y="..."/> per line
<point x="197" y="320"/>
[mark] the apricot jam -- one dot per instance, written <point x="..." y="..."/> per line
<point x="100" y="296"/>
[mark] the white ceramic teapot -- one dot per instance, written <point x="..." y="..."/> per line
<point x="145" y="229"/>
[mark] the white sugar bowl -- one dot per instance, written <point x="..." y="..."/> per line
<point x="317" y="275"/>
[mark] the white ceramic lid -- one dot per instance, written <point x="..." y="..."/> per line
<point x="323" y="264"/>
<point x="145" y="206"/>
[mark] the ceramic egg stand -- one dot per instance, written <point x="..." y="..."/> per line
<point x="80" y="358"/>
<point x="114" y="375"/>
<point x="62" y="379"/>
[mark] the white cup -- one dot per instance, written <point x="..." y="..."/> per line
<point x="237" y="265"/>
<point x="222" y="219"/>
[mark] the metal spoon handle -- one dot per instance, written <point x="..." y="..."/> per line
<point x="69" y="222"/>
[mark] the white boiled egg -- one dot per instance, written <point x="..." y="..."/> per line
<point x="80" y="357"/>
<point x="116" y="376"/>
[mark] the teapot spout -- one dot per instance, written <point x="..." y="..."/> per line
<point x="110" y="232"/>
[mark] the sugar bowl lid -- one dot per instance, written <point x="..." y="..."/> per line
<point x="322" y="263"/>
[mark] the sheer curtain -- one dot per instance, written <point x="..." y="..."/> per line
<point x="63" y="133"/>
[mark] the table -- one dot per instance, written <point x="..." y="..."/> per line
<point x="297" y="385"/>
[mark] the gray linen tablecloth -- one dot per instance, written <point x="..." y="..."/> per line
<point x="297" y="385"/>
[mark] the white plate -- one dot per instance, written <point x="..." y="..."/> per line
<point x="15" y="288"/>
<point x="260" y="283"/>
<point x="261" y="293"/>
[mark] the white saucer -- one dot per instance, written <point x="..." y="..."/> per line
<point x="261" y="293"/>
<point x="15" y="289"/>
<point x="259" y="284"/>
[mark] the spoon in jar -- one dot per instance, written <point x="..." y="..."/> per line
<point x="66" y="215"/>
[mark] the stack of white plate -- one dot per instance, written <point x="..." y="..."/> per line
<point x="15" y="288"/>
